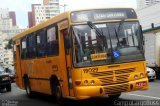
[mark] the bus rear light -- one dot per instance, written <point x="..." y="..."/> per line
<point x="136" y="77"/>
<point x="77" y="82"/>
<point x="85" y="82"/>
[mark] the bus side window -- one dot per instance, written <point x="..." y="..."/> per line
<point x="14" y="51"/>
<point x="31" y="46"/>
<point x="52" y="41"/>
<point x="41" y="43"/>
<point x="24" y="48"/>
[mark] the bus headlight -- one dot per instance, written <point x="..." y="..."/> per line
<point x="136" y="77"/>
<point x="141" y="75"/>
<point x="85" y="82"/>
<point x="92" y="82"/>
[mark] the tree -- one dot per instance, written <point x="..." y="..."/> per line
<point x="10" y="44"/>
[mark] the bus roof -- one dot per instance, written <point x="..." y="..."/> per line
<point x="51" y="21"/>
<point x="55" y="19"/>
<point x="101" y="8"/>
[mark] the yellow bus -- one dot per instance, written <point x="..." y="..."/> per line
<point x="82" y="54"/>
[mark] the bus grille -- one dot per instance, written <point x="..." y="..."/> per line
<point x="110" y="73"/>
<point x="117" y="77"/>
<point x="111" y="80"/>
<point x="115" y="89"/>
<point x="97" y="74"/>
<point x="124" y="71"/>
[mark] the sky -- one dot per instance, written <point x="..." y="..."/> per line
<point x="21" y="7"/>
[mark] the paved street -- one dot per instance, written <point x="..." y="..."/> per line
<point x="19" y="97"/>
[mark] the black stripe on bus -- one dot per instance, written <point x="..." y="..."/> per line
<point x="39" y="78"/>
<point x="42" y="79"/>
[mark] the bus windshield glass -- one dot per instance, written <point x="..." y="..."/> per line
<point x="106" y="43"/>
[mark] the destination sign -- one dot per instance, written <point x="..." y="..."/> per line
<point x="109" y="15"/>
<point x="99" y="56"/>
<point x="103" y="14"/>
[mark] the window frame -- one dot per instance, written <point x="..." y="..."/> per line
<point x="57" y="40"/>
<point x="38" y="46"/>
<point x="30" y="49"/>
<point x="22" y="51"/>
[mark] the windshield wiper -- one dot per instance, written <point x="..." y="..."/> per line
<point x="118" y="31"/>
<point x="98" y="32"/>
<point x="119" y="26"/>
<point x="117" y="37"/>
<point x="112" y="57"/>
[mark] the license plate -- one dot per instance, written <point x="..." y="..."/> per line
<point x="140" y="84"/>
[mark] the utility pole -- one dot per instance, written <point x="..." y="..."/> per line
<point x="64" y="7"/>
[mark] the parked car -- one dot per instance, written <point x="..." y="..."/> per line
<point x="151" y="74"/>
<point x="5" y="80"/>
<point x="11" y="73"/>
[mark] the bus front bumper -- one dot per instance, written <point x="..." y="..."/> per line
<point x="84" y="92"/>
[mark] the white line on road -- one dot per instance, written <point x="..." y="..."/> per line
<point x="144" y="96"/>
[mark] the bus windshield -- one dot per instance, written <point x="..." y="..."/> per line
<point x="106" y="43"/>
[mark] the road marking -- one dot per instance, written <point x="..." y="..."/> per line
<point x="144" y="96"/>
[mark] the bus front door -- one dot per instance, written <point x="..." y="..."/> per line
<point x="68" y="62"/>
<point x="65" y="55"/>
<point x="18" y="71"/>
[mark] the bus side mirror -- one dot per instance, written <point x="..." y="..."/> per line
<point x="141" y="31"/>
<point x="67" y="42"/>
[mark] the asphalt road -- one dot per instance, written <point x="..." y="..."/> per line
<point x="17" y="97"/>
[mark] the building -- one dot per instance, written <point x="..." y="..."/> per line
<point x="2" y="37"/>
<point x="5" y="23"/>
<point x="4" y="13"/>
<point x="8" y="23"/>
<point x="30" y="22"/>
<point x="6" y="55"/>
<point x="43" y="12"/>
<point x="149" y="17"/>
<point x="12" y="15"/>
<point x="13" y="31"/>
<point x="51" y="8"/>
<point x="150" y="20"/>
<point x="145" y="3"/>
<point x="8" y="28"/>
<point x="5" y="20"/>
<point x="38" y="14"/>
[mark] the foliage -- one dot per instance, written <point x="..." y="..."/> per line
<point x="10" y="44"/>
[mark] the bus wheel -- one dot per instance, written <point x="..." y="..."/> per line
<point x="113" y="97"/>
<point x="59" y="97"/>
<point x="28" y="88"/>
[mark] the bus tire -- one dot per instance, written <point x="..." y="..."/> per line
<point x="53" y="84"/>
<point x="59" y="97"/>
<point x="114" y="97"/>
<point x="28" y="87"/>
